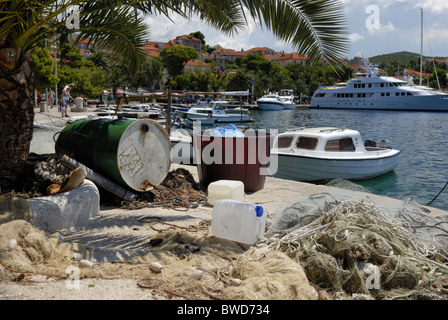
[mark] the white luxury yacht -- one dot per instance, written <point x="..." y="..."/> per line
<point x="379" y="93"/>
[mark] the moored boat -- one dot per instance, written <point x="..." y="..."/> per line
<point x="323" y="154"/>
<point x="287" y="96"/>
<point x="216" y="111"/>
<point x="379" y="93"/>
<point x="275" y="101"/>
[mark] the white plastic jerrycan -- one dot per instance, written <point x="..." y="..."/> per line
<point x="225" y="189"/>
<point x="238" y="221"/>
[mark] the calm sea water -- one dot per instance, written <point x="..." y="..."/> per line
<point x="421" y="136"/>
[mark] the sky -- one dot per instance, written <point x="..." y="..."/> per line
<point x="374" y="27"/>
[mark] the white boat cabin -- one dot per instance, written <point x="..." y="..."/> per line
<point x="214" y="107"/>
<point x="339" y="141"/>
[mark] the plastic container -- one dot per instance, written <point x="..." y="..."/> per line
<point x="238" y="221"/>
<point x="225" y="189"/>
<point x="245" y="159"/>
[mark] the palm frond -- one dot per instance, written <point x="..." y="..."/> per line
<point x="25" y="23"/>
<point x="117" y="29"/>
<point x="315" y="28"/>
<point x="110" y="23"/>
<point x="224" y="15"/>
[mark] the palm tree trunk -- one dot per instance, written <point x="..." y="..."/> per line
<point x="16" y="113"/>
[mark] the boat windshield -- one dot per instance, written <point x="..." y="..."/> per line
<point x="217" y="106"/>
<point x="344" y="144"/>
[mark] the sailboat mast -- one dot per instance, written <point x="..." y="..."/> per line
<point x="421" y="49"/>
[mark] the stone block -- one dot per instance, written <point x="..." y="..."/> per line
<point x="71" y="209"/>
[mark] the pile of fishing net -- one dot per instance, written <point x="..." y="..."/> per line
<point x="196" y="266"/>
<point x="354" y="248"/>
<point x="269" y="275"/>
<point x="26" y="251"/>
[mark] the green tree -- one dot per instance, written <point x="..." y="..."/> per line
<point x="239" y="81"/>
<point x="88" y="79"/>
<point x="102" y="60"/>
<point x="438" y="78"/>
<point x="174" y="60"/>
<point x="116" y="78"/>
<point x="255" y="62"/>
<point x="70" y="56"/>
<point x="315" y="28"/>
<point x="43" y="65"/>
<point x="279" y="77"/>
<point x="150" y="72"/>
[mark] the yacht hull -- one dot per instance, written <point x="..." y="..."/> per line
<point x="270" y="106"/>
<point x="416" y="103"/>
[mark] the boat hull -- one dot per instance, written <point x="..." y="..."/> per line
<point x="221" y="119"/>
<point x="289" y="106"/>
<point x="415" y="103"/>
<point x="270" y="106"/>
<point x="312" y="169"/>
<point x="204" y="121"/>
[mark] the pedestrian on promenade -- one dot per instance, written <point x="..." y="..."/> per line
<point x="65" y="98"/>
<point x="50" y="97"/>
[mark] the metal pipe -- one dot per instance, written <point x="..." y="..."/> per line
<point x="102" y="181"/>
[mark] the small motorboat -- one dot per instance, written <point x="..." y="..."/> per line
<point x="287" y="96"/>
<point x="282" y="101"/>
<point x="323" y="154"/>
<point x="147" y="110"/>
<point x="216" y="111"/>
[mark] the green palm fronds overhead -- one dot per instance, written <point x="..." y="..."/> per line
<point x="315" y="28"/>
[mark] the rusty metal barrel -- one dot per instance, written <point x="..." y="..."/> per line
<point x="133" y="153"/>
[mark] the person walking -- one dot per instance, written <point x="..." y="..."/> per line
<point x="65" y="98"/>
<point x="50" y="97"/>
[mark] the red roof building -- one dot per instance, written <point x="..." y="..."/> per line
<point x="222" y="56"/>
<point x="294" y="57"/>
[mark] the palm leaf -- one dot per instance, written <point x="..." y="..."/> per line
<point x="110" y="23"/>
<point x="116" y="28"/>
<point x="316" y="28"/>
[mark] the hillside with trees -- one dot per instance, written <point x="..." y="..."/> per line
<point x="435" y="69"/>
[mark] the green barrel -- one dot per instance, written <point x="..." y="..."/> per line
<point x="133" y="153"/>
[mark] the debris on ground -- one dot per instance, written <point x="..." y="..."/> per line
<point x="357" y="248"/>
<point x="178" y="191"/>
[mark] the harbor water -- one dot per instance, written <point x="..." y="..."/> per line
<point x="423" y="168"/>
